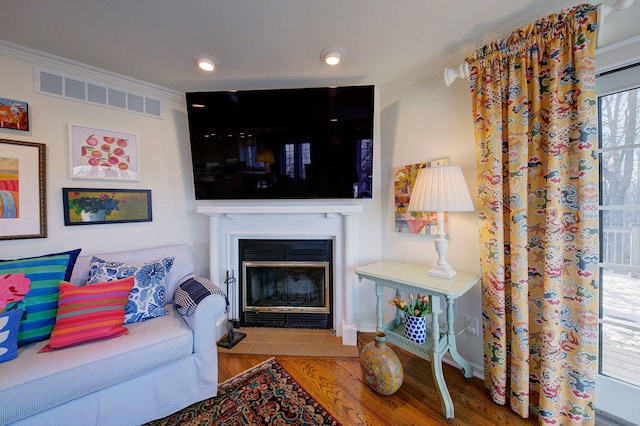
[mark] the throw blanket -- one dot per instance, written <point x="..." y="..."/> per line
<point x="191" y="290"/>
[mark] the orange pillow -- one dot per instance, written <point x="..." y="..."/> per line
<point x="90" y="312"/>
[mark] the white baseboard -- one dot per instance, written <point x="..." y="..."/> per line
<point x="478" y="370"/>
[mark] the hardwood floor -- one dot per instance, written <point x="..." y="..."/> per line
<point x="338" y="385"/>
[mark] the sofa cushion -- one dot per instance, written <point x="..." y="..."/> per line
<point x="45" y="273"/>
<point x="90" y="312"/>
<point x="147" y="296"/>
<point x="46" y="380"/>
<point x="9" y="324"/>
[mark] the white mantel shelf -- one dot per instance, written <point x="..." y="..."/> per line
<point x="228" y="223"/>
<point x="279" y="209"/>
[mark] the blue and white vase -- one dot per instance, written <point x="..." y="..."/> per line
<point x="93" y="216"/>
<point x="415" y="328"/>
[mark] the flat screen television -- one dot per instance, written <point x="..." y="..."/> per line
<point x="282" y="144"/>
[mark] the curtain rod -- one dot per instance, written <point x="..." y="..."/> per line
<point x="462" y="70"/>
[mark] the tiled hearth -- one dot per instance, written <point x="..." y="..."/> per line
<point x="291" y="341"/>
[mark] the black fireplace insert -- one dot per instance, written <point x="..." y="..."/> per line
<point x="286" y="283"/>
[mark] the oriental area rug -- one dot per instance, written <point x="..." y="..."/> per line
<point x="263" y="395"/>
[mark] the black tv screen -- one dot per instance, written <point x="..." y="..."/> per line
<point x="282" y="144"/>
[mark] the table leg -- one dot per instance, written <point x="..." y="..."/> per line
<point x="436" y="360"/>
<point x="467" y="370"/>
<point x="379" y="291"/>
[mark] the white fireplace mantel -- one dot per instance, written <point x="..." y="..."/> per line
<point x="230" y="223"/>
<point x="279" y="209"/>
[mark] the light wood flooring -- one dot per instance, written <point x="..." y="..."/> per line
<point x="290" y="341"/>
<point x="337" y="383"/>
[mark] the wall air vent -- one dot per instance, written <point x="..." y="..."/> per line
<point x="135" y="102"/>
<point x="97" y="94"/>
<point x="50" y="83"/>
<point x="75" y="89"/>
<point x="59" y="84"/>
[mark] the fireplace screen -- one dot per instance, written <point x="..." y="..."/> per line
<point x="286" y="286"/>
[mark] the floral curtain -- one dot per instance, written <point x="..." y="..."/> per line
<point x="535" y="122"/>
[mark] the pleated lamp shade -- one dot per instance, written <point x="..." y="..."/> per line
<point x="440" y="189"/>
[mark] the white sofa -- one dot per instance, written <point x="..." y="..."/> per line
<point x="163" y="365"/>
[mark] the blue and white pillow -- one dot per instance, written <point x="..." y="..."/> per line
<point x="9" y="324"/>
<point x="147" y="296"/>
<point x="191" y="290"/>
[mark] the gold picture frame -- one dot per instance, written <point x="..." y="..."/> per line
<point x="23" y="192"/>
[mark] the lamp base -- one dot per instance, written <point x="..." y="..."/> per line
<point x="442" y="271"/>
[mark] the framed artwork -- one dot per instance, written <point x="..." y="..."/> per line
<point x="23" y="192"/>
<point x="417" y="222"/>
<point x="88" y="206"/>
<point x="102" y="154"/>
<point x="14" y="114"/>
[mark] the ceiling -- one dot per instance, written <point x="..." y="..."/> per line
<point x="267" y="43"/>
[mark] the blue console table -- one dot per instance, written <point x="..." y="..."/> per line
<point x="413" y="278"/>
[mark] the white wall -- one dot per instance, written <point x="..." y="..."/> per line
<point x="165" y="165"/>
<point x="165" y="168"/>
<point x="424" y="121"/>
<point x="421" y="120"/>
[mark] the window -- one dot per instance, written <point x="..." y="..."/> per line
<point x="365" y="163"/>
<point x="297" y="156"/>
<point x="619" y="119"/>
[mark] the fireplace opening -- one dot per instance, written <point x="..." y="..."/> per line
<point x="286" y="283"/>
<point x="286" y="286"/>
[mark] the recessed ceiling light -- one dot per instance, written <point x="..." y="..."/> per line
<point x="332" y="55"/>
<point x="206" y="64"/>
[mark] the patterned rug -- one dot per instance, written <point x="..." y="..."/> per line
<point x="263" y="395"/>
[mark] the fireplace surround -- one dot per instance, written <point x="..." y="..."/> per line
<point x="230" y="223"/>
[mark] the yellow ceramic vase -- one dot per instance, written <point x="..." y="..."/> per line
<point x="381" y="367"/>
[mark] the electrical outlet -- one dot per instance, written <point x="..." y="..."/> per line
<point x="472" y="325"/>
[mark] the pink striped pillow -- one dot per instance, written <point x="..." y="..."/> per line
<point x="90" y="312"/>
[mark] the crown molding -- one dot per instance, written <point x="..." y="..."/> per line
<point x="46" y="60"/>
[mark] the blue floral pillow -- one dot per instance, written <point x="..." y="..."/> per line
<point x="9" y="324"/>
<point x="146" y="299"/>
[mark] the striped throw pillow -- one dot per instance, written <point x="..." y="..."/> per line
<point x="45" y="273"/>
<point x="89" y="312"/>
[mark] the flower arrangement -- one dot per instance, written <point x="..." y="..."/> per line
<point x="13" y="287"/>
<point x="105" y="202"/>
<point x="418" y="307"/>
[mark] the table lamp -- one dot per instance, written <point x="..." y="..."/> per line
<point x="441" y="189"/>
<point x="265" y="156"/>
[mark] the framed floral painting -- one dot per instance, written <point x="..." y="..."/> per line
<point x="404" y="177"/>
<point x="84" y="206"/>
<point x="103" y="154"/>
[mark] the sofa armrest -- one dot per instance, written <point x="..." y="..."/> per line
<point x="203" y="321"/>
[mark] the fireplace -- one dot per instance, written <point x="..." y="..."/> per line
<point x="286" y="283"/>
<point x="231" y="222"/>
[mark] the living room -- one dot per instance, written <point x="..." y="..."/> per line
<point x="418" y="118"/>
